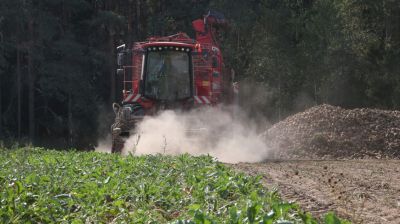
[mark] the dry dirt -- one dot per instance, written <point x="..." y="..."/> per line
<point x="356" y="171"/>
<point x="362" y="191"/>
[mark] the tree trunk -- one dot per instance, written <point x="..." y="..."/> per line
<point x="280" y="97"/>
<point x="18" y="93"/>
<point x="31" y="87"/>
<point x="138" y="20"/>
<point x="1" y="108"/>
<point x="111" y="67"/>
<point x="315" y="91"/>
<point x="163" y="9"/>
<point x="1" y="102"/>
<point x="130" y="17"/>
<point x="70" y="124"/>
<point x="109" y="6"/>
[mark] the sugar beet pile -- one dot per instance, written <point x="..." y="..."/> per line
<point x="329" y="132"/>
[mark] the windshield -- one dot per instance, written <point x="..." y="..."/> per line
<point x="167" y="75"/>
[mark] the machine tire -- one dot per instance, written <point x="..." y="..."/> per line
<point x="117" y="144"/>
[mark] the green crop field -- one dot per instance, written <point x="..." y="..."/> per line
<point x="48" y="186"/>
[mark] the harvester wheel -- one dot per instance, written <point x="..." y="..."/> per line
<point x="122" y="128"/>
<point x="117" y="144"/>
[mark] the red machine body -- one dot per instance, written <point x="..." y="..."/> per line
<point x="172" y="72"/>
<point x="211" y="80"/>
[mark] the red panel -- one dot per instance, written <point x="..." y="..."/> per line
<point x="198" y="26"/>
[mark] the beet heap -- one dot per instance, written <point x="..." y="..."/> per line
<point x="329" y="132"/>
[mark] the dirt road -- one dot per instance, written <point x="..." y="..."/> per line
<point x="363" y="191"/>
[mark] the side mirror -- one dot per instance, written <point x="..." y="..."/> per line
<point x="121" y="59"/>
<point x="120" y="71"/>
<point x="121" y="55"/>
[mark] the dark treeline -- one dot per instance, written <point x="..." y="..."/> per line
<point x="57" y="60"/>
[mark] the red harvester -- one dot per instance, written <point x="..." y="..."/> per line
<point x="173" y="72"/>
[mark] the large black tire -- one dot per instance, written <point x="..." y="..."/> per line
<point x="124" y="124"/>
<point x="116" y="129"/>
<point x="118" y="143"/>
<point x="120" y="132"/>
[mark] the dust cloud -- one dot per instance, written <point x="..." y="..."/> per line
<point x="104" y="145"/>
<point x="227" y="136"/>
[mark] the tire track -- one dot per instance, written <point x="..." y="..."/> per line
<point x="363" y="191"/>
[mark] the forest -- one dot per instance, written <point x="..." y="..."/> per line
<point x="58" y="58"/>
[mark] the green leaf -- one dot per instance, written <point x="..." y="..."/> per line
<point x="194" y="207"/>
<point x="107" y="180"/>
<point x="331" y="218"/>
<point x="269" y="218"/>
<point x="234" y="215"/>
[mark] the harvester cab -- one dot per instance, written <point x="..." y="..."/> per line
<point x="173" y="72"/>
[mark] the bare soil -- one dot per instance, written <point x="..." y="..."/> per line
<point x="362" y="191"/>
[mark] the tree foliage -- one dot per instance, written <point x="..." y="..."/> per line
<point x="288" y="55"/>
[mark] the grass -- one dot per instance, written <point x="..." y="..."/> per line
<point x="47" y="186"/>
